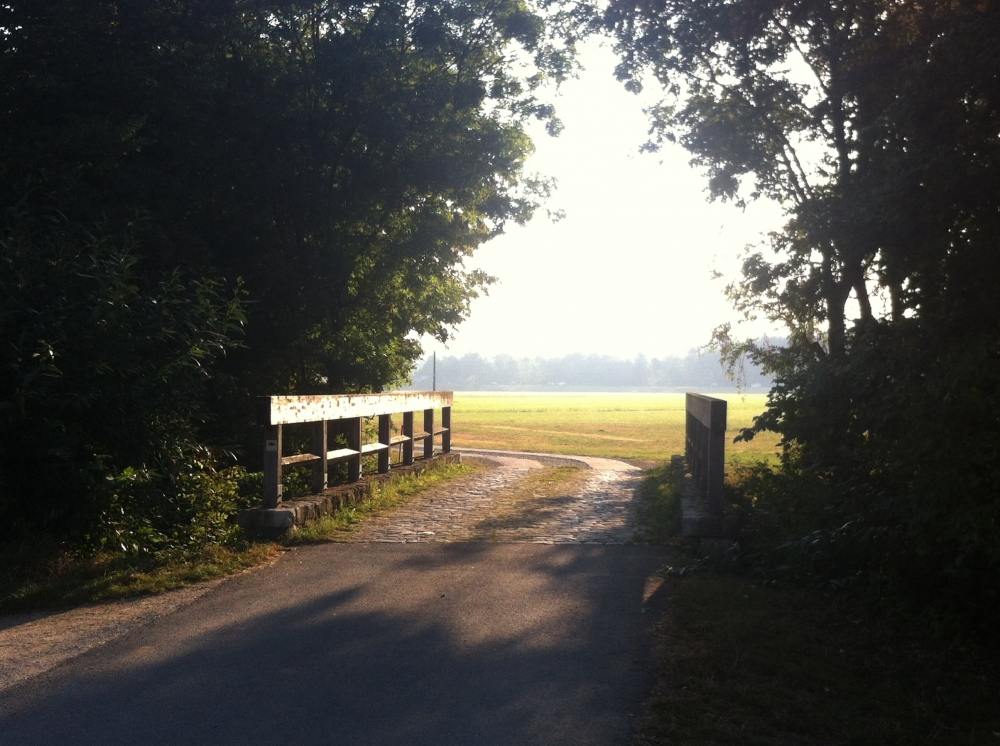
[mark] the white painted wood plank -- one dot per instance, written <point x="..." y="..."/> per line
<point x="286" y="410"/>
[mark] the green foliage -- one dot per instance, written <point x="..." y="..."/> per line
<point x="660" y="501"/>
<point x="874" y="125"/>
<point x="105" y="382"/>
<point x="203" y="202"/>
<point x="900" y="490"/>
<point x="153" y="512"/>
<point x="343" y="160"/>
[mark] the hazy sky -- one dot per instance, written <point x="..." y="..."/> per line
<point x="628" y="270"/>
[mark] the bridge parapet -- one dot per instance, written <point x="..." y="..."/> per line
<point x="344" y="414"/>
<point x="705" y="454"/>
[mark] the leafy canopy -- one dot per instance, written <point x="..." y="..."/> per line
<point x="874" y="125"/>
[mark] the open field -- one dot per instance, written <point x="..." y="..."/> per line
<point x="639" y="427"/>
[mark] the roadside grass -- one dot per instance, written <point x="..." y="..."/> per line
<point x="384" y="496"/>
<point x="740" y="662"/>
<point x="658" y="503"/>
<point x="641" y="428"/>
<point x="73" y="580"/>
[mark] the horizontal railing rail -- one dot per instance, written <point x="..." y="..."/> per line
<point x="344" y="414"/>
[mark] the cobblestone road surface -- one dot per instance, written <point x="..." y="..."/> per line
<point x="491" y="505"/>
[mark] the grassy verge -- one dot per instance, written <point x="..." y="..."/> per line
<point x="745" y="661"/>
<point x="73" y="580"/>
<point x="750" y="664"/>
<point x="658" y="507"/>
<point x="76" y="580"/>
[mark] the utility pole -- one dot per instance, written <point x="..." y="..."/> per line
<point x="434" y="371"/>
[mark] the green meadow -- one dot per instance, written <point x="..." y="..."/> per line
<point x="644" y="428"/>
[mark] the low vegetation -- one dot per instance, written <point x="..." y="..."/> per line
<point x="745" y="662"/>
<point x="70" y="578"/>
<point x="773" y="645"/>
<point x="640" y="428"/>
<point x="659" y="502"/>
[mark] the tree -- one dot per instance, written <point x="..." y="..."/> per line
<point x="342" y="159"/>
<point x="331" y="163"/>
<point x="874" y="125"/>
<point x="105" y="385"/>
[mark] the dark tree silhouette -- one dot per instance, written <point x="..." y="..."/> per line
<point x="874" y="124"/>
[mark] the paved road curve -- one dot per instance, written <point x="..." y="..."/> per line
<point x="440" y="640"/>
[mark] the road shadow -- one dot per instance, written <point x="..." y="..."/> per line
<point x="373" y="644"/>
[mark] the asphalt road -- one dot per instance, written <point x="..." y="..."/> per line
<point x="380" y="643"/>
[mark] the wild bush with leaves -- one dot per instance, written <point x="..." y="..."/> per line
<point x="105" y="378"/>
<point x="874" y="126"/>
<point x="344" y="160"/>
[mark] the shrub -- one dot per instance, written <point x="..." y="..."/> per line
<point x="104" y="386"/>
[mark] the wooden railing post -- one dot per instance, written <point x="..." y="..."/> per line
<point x="446" y="424"/>
<point x="429" y="429"/>
<point x="407" y="430"/>
<point x="354" y="439"/>
<point x="705" y="449"/>
<point x="319" y="448"/>
<point x="715" y="437"/>
<point x="272" y="466"/>
<point x="384" y="437"/>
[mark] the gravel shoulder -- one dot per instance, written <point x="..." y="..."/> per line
<point x="32" y="643"/>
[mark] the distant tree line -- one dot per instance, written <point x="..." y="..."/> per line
<point x="578" y="371"/>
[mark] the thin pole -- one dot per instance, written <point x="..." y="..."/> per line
<point x="434" y="372"/>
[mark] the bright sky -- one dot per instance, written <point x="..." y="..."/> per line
<point x="629" y="269"/>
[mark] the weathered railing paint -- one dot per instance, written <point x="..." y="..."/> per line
<point x="288" y="410"/>
<point x="705" y="449"/>
<point x="346" y="412"/>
